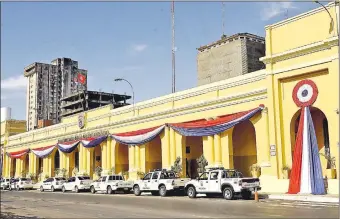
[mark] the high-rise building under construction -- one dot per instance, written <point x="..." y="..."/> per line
<point x="47" y="84"/>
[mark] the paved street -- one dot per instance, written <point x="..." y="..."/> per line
<point x="87" y="205"/>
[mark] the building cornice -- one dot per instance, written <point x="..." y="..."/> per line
<point x="215" y="103"/>
<point x="301" y="51"/>
<point x="300" y="16"/>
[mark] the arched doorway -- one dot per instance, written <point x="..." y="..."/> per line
<point x="244" y="147"/>
<point x="121" y="158"/>
<point x="97" y="157"/>
<point x="320" y="123"/>
<point x="153" y="155"/>
<point x="193" y="150"/>
<point x="40" y="166"/>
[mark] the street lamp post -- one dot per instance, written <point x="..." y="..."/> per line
<point x="133" y="93"/>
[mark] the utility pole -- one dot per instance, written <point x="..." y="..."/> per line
<point x="223" y="18"/>
<point x="173" y="47"/>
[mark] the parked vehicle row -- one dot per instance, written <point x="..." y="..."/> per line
<point x="226" y="183"/>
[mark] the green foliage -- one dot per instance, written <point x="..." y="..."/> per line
<point x="75" y="171"/>
<point x="98" y="171"/>
<point x="23" y="173"/>
<point x="177" y="167"/>
<point x="331" y="162"/>
<point x="254" y="167"/>
<point x="202" y="163"/>
<point x="285" y="168"/>
<point x="112" y="171"/>
<point x="56" y="172"/>
<point x="63" y="171"/>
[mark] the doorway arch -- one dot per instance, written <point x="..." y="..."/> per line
<point x="244" y="147"/>
<point x="320" y="123"/>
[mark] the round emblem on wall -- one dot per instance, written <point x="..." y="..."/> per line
<point x="305" y="93"/>
<point x="81" y="120"/>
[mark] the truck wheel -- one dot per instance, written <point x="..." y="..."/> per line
<point x="52" y="189"/>
<point x="246" y="195"/>
<point x="109" y="190"/>
<point x="92" y="190"/>
<point x="228" y="193"/>
<point x="63" y="189"/>
<point x="76" y="189"/>
<point x="162" y="191"/>
<point x="137" y="191"/>
<point x="191" y="192"/>
<point x="41" y="189"/>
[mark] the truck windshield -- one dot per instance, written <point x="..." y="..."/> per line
<point x="168" y="175"/>
<point x="83" y="177"/>
<point x="58" y="179"/>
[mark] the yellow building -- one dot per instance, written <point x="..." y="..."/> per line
<point x="11" y="127"/>
<point x="295" y="50"/>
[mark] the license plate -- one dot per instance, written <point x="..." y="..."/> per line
<point x="251" y="189"/>
<point x="125" y="188"/>
<point x="249" y="184"/>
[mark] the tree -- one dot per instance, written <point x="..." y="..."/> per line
<point x="202" y="163"/>
<point x="177" y="167"/>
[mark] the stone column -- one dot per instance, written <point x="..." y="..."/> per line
<point x="217" y="150"/>
<point x="132" y="163"/>
<point x="104" y="157"/>
<point x="227" y="148"/>
<point x="208" y="150"/>
<point x="172" y="146"/>
<point x="108" y="154"/>
<point x="165" y="140"/>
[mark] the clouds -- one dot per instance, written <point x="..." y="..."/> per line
<point x="13" y="87"/>
<point x="14" y="83"/>
<point x="274" y="9"/>
<point x="139" y="47"/>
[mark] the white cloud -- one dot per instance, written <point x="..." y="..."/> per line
<point x="274" y="9"/>
<point x="14" y="83"/>
<point x="139" y="47"/>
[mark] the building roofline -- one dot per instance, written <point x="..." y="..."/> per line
<point x="95" y="92"/>
<point x="228" y="38"/>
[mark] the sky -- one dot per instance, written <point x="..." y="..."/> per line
<point x="130" y="40"/>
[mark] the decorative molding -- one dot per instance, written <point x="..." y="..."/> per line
<point x="301" y="51"/>
<point x="305" y="65"/>
<point x="192" y="108"/>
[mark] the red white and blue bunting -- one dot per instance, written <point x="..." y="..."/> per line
<point x="17" y="154"/>
<point x="306" y="176"/>
<point x="212" y="127"/>
<point x="93" y="142"/>
<point x="68" y="147"/>
<point x="138" y="137"/>
<point x="44" y="151"/>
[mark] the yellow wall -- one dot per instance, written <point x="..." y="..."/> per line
<point x="295" y="50"/>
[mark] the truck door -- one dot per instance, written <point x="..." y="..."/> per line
<point x="154" y="181"/>
<point x="214" y="181"/>
<point x="203" y="182"/>
<point x="102" y="184"/>
<point x="146" y="182"/>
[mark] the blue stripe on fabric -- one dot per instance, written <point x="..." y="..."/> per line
<point x="317" y="183"/>
<point x="95" y="142"/>
<point x="143" y="141"/>
<point x="68" y="150"/>
<point x="208" y="131"/>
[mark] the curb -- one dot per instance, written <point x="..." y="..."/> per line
<point x="305" y="198"/>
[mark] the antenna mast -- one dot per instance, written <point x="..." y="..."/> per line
<point x="173" y="47"/>
<point x="223" y="18"/>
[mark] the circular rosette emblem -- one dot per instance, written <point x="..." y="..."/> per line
<point x="305" y="93"/>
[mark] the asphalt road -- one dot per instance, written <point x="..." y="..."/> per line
<point x="87" y="205"/>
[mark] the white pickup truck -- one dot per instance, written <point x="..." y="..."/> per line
<point x="159" y="182"/>
<point x="21" y="184"/>
<point x="110" y="184"/>
<point x="222" y="181"/>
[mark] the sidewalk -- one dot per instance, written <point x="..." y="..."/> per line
<point x="301" y="197"/>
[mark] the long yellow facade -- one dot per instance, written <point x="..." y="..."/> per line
<point x="295" y="50"/>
